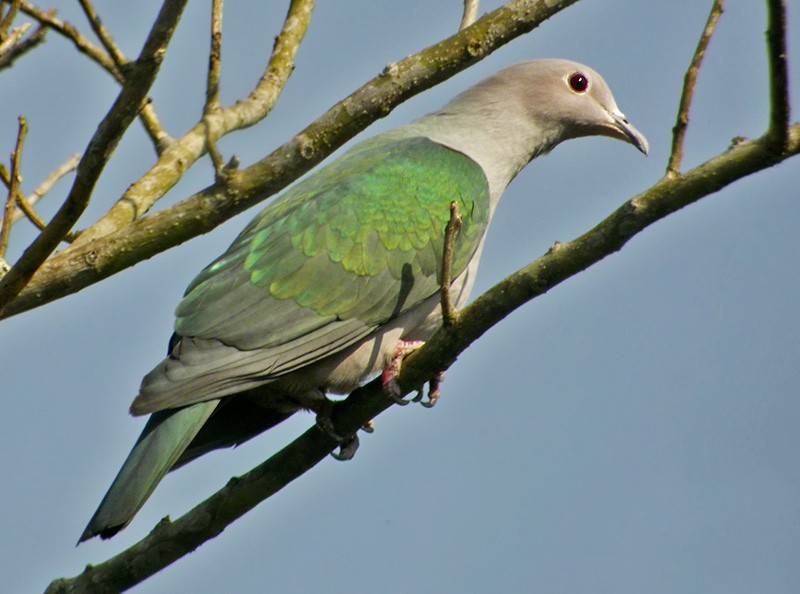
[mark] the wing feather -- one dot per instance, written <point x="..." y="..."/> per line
<point x="345" y="251"/>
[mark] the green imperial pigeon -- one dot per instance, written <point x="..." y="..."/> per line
<point x="329" y="284"/>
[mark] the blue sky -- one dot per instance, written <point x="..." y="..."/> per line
<point x="635" y="429"/>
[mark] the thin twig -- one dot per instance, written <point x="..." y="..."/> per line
<point x="147" y="114"/>
<point x="7" y="57"/>
<point x="214" y="58"/>
<point x="81" y="43"/>
<point x="103" y="35"/>
<point x="470" y="13"/>
<point x="25" y="204"/>
<point x="7" y="41"/>
<point x="47" y="184"/>
<point x="449" y="313"/>
<point x="174" y="162"/>
<point x="689" y="81"/>
<point x="212" y="106"/>
<point x="101" y="146"/>
<point x="13" y="188"/>
<point x="778" y="74"/>
<point x="8" y="18"/>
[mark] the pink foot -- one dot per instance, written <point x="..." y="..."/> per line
<point x="392" y="370"/>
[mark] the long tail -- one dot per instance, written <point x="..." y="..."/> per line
<point x="165" y="437"/>
<point x="170" y="439"/>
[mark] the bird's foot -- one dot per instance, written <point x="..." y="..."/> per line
<point x="347" y="445"/>
<point x="392" y="370"/>
<point x="347" y="449"/>
<point x="434" y="391"/>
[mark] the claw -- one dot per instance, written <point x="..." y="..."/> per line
<point x="398" y="399"/>
<point x="347" y="445"/>
<point x="391" y="371"/>
<point x="347" y="449"/>
<point x="434" y="391"/>
<point x="325" y="424"/>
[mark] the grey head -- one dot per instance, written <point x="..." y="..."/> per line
<point x="526" y="110"/>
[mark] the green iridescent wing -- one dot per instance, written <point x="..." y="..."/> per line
<point x="346" y="250"/>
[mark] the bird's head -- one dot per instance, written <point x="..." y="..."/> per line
<point x="571" y="98"/>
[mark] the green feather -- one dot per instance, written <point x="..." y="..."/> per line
<point x="360" y="239"/>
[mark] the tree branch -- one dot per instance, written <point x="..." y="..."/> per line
<point x="13" y="186"/>
<point x="212" y="106"/>
<point x="170" y="541"/>
<point x="113" y="64"/>
<point x="778" y="74"/>
<point x="103" y="35"/>
<point x="101" y="146"/>
<point x="183" y="153"/>
<point x="451" y="230"/>
<point x="44" y="187"/>
<point x="8" y="18"/>
<point x="67" y="30"/>
<point x="13" y="42"/>
<point x="470" y="13"/>
<point x="17" y="45"/>
<point x="689" y="81"/>
<point x="84" y="264"/>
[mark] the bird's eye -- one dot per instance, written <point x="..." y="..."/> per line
<point x="578" y="82"/>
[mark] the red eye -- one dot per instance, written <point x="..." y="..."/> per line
<point x="578" y="82"/>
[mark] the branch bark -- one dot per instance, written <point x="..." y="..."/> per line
<point x="183" y="153"/>
<point x="112" y="61"/>
<point x="778" y="73"/>
<point x="689" y="82"/>
<point x="99" y="151"/>
<point x="13" y="187"/>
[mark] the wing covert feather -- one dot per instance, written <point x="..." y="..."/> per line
<point x="360" y="239"/>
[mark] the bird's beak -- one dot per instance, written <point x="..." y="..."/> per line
<point x="627" y="132"/>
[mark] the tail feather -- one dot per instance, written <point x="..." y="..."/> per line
<point x="172" y="438"/>
<point x="162" y="442"/>
<point x="236" y="420"/>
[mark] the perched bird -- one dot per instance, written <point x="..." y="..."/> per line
<point x="318" y="292"/>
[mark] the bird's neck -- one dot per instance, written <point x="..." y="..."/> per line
<point x="499" y="141"/>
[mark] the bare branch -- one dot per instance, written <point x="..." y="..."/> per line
<point x="103" y="35"/>
<point x="101" y="146"/>
<point x="778" y="73"/>
<point x="20" y="46"/>
<point x="449" y="313"/>
<point x="46" y="185"/>
<point x="7" y="41"/>
<point x="13" y="187"/>
<point x="8" y="18"/>
<point x="214" y="58"/>
<point x="689" y="81"/>
<point x="183" y="153"/>
<point x="13" y="42"/>
<point x="110" y="64"/>
<point x="470" y="13"/>
<point x="67" y="30"/>
<point x="212" y="106"/>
